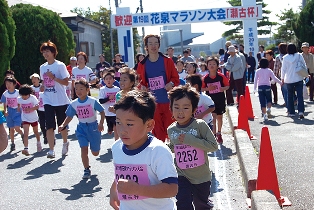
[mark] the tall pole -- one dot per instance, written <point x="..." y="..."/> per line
<point x="143" y="30"/>
<point x="110" y="29"/>
<point x="181" y="38"/>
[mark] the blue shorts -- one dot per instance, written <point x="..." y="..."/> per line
<point x="2" y="118"/>
<point x="88" y="133"/>
<point x="13" y="118"/>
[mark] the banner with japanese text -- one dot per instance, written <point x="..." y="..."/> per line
<point x="187" y="16"/>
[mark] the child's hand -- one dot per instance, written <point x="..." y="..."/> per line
<point x="111" y="109"/>
<point x="181" y="138"/>
<point x="114" y="200"/>
<point x="60" y="128"/>
<point x="18" y="109"/>
<point x="127" y="186"/>
<point x="101" y="127"/>
<point x="6" y="114"/>
<point x="42" y="88"/>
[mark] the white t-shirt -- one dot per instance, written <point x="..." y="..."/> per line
<point x="105" y="92"/>
<point x="30" y="116"/>
<point x="182" y="75"/>
<point x="54" y="93"/>
<point x="36" y="90"/>
<point x="41" y="103"/>
<point x="68" y="90"/>
<point x="10" y="98"/>
<point x="86" y="73"/>
<point x="203" y="73"/>
<point x="158" y="160"/>
<point x="85" y="110"/>
<point x="204" y="103"/>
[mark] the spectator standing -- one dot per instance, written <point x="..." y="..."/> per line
<point x="101" y="65"/>
<point x="309" y="60"/>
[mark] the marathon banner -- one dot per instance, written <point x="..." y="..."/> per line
<point x="187" y="16"/>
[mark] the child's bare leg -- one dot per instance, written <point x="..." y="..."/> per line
<point x="26" y="133"/>
<point x="18" y="129"/>
<point x="214" y="122"/>
<point x="37" y="135"/>
<point x="12" y="135"/>
<point x="219" y="122"/>
<point x="84" y="156"/>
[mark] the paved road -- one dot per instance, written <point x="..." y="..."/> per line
<point x="35" y="182"/>
<point x="293" y="146"/>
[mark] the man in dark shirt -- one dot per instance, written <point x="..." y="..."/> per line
<point x="170" y="51"/>
<point x="251" y="61"/>
<point x="101" y="65"/>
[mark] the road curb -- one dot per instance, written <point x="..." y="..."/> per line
<point x="248" y="162"/>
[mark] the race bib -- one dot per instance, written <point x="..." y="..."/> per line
<point x="188" y="156"/>
<point x="111" y="94"/>
<point x="137" y="173"/>
<point x="217" y="86"/>
<point x="200" y="110"/>
<point x="41" y="103"/>
<point x="117" y="74"/>
<point x="26" y="106"/>
<point x="79" y="76"/>
<point x="156" y="83"/>
<point x="48" y="82"/>
<point x="12" y="102"/>
<point x="85" y="111"/>
<point x="36" y="94"/>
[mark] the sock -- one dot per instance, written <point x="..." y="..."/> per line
<point x="25" y="148"/>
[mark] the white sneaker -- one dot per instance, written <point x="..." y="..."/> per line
<point x="39" y="148"/>
<point x="265" y="117"/>
<point x="51" y="154"/>
<point x="65" y="148"/>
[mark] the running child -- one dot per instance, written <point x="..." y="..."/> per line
<point x="205" y="105"/>
<point x="88" y="131"/>
<point x="28" y="104"/>
<point x="191" y="139"/>
<point x="204" y="70"/>
<point x="40" y="111"/>
<point x="11" y="110"/>
<point x="107" y="95"/>
<point x="190" y="68"/>
<point x="262" y="82"/>
<point x="215" y="84"/>
<point x="154" y="184"/>
<point x="180" y="69"/>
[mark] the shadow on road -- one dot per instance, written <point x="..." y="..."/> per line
<point x="224" y="155"/>
<point x="85" y="188"/>
<point x="214" y="187"/>
<point x="105" y="158"/>
<point x="50" y="167"/>
<point x="8" y="155"/>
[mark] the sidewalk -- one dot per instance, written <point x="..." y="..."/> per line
<point x="292" y="148"/>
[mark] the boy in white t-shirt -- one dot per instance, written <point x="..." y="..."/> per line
<point x="145" y="175"/>
<point x="28" y="104"/>
<point x="206" y="105"/>
<point x="107" y="96"/>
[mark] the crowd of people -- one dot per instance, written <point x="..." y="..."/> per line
<point x="164" y="105"/>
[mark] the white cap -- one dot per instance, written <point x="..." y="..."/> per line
<point x="34" y="75"/>
<point x="73" y="59"/>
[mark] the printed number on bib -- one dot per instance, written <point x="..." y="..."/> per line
<point x="84" y="111"/>
<point x="156" y="83"/>
<point x="79" y="76"/>
<point x="188" y="156"/>
<point x="199" y="110"/>
<point x="26" y="106"/>
<point x="12" y="102"/>
<point x="48" y="82"/>
<point x="217" y="86"/>
<point x="136" y="173"/>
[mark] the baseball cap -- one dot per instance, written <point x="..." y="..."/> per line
<point x="305" y="44"/>
<point x="231" y="49"/>
<point x="228" y="43"/>
<point x="73" y="59"/>
<point x="34" y="75"/>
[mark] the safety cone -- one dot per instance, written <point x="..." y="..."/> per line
<point x="248" y="103"/>
<point x="267" y="175"/>
<point x="243" y="122"/>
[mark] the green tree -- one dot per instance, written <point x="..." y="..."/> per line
<point x="285" y="32"/>
<point x="304" y="25"/>
<point x="7" y="37"/>
<point x="261" y="23"/>
<point x="103" y="17"/>
<point x="35" y="25"/>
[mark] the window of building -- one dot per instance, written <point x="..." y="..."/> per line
<point x="92" y="49"/>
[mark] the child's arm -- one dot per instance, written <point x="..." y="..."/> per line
<point x="5" y="109"/>
<point x="18" y="108"/>
<point x="207" y="142"/>
<point x="102" y="98"/>
<point x="114" y="201"/>
<point x="101" y="122"/>
<point x="275" y="78"/>
<point x="207" y="111"/>
<point x="65" y="123"/>
<point x="162" y="190"/>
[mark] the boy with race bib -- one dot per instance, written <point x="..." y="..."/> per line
<point x="88" y="131"/>
<point x="191" y="139"/>
<point x="145" y="176"/>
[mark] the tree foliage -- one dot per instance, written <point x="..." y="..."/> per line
<point x="35" y="25"/>
<point x="304" y="25"/>
<point x="261" y="23"/>
<point x="103" y="17"/>
<point x="7" y="37"/>
<point x="285" y="32"/>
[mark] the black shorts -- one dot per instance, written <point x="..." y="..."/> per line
<point x="53" y="112"/>
<point x="220" y="108"/>
<point x="111" y="121"/>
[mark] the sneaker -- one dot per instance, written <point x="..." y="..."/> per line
<point x="210" y="204"/>
<point x="219" y="138"/>
<point x="265" y="117"/>
<point x="268" y="111"/>
<point x="87" y="173"/>
<point x="39" y="148"/>
<point x="45" y="140"/>
<point x="301" y="115"/>
<point x="12" y="148"/>
<point x="65" y="148"/>
<point x="25" y="152"/>
<point x="51" y="154"/>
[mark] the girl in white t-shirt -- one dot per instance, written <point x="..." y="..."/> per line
<point x="28" y="104"/>
<point x="180" y="69"/>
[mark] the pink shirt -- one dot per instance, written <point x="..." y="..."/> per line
<point x="263" y="76"/>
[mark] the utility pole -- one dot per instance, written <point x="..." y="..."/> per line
<point x="143" y="30"/>
<point x="110" y="29"/>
